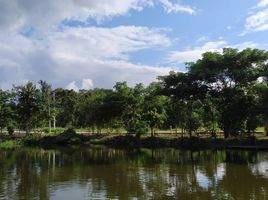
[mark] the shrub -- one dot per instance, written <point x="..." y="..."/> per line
<point x="31" y="140"/>
<point x="8" y="144"/>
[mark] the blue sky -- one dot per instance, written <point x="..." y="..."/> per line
<point x="81" y="44"/>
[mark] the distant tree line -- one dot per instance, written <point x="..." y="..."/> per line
<point x="225" y="91"/>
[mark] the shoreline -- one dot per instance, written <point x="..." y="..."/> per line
<point x="71" y="138"/>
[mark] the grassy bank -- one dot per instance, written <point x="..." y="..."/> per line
<point x="10" y="144"/>
<point x="71" y="138"/>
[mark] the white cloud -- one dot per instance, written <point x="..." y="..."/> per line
<point x="256" y="22"/>
<point x="262" y="3"/>
<point x="244" y="45"/>
<point x="87" y="84"/>
<point x="202" y="39"/>
<point x="195" y="53"/>
<point x="105" y="43"/>
<point x="72" y="86"/>
<point x="67" y="56"/>
<point x="15" y="14"/>
<point x="171" y="7"/>
<point x="75" y="53"/>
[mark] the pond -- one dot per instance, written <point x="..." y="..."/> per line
<point x="103" y="173"/>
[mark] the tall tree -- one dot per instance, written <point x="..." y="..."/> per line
<point x="7" y="110"/>
<point x="132" y="100"/>
<point x="154" y="107"/>
<point x="28" y="106"/>
<point x="66" y="105"/>
<point x="46" y="110"/>
<point x="227" y="76"/>
<point x="185" y="88"/>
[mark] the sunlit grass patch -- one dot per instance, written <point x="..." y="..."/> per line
<point x="8" y="144"/>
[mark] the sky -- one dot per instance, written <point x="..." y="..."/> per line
<point x="84" y="44"/>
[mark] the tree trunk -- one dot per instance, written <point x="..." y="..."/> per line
<point x="152" y="132"/>
<point x="27" y="131"/>
<point x="54" y="123"/>
<point x="266" y="126"/>
<point x="190" y="133"/>
<point x="226" y="134"/>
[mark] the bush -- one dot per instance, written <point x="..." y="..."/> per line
<point x="31" y="140"/>
<point x="8" y="144"/>
<point x="67" y="137"/>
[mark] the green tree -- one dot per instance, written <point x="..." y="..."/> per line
<point x="28" y="104"/>
<point x="227" y="76"/>
<point x="7" y="110"/>
<point x="154" y="107"/>
<point x="66" y="104"/>
<point x="176" y="115"/>
<point x="185" y="88"/>
<point x="46" y="101"/>
<point x="131" y="105"/>
<point x="209" y="115"/>
<point x="262" y="90"/>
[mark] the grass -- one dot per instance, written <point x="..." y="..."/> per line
<point x="103" y="130"/>
<point x="8" y="144"/>
<point x="260" y="129"/>
<point x="163" y="136"/>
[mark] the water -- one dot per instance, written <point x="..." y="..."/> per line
<point x="102" y="173"/>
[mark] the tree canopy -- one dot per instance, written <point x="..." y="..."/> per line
<point x="225" y="91"/>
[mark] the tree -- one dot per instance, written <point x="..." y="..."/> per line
<point x="28" y="104"/>
<point x="209" y="115"/>
<point x="46" y="110"/>
<point x="227" y="77"/>
<point x="185" y="88"/>
<point x="66" y="105"/>
<point x="131" y="105"/>
<point x="7" y="110"/>
<point x="176" y="114"/>
<point x="154" y="107"/>
<point x="262" y="91"/>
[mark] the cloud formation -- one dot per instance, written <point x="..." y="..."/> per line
<point x="262" y="3"/>
<point x="194" y="53"/>
<point x="258" y="20"/>
<point x="80" y="54"/>
<point x="15" y="14"/>
<point x="36" y="44"/>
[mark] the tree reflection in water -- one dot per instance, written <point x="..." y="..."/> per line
<point x="102" y="173"/>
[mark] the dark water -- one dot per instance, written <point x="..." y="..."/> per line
<point x="101" y="173"/>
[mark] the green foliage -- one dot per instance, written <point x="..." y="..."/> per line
<point x="223" y="82"/>
<point x="8" y="144"/>
<point x="31" y="140"/>
<point x="7" y="110"/>
<point x="69" y="136"/>
<point x="28" y="107"/>
<point x="66" y="104"/>
<point x="227" y="90"/>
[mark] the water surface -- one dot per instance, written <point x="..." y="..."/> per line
<point x="102" y="173"/>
